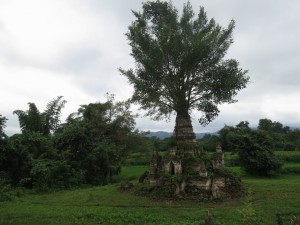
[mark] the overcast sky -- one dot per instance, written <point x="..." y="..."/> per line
<point x="74" y="48"/>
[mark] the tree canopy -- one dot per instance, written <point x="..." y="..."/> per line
<point x="97" y="139"/>
<point x="46" y="122"/>
<point x="89" y="148"/>
<point x="2" y="123"/>
<point x="2" y="126"/>
<point x="180" y="62"/>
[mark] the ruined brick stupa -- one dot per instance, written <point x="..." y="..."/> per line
<point x="186" y="163"/>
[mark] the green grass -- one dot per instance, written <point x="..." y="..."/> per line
<point x="130" y="173"/>
<point x="288" y="153"/>
<point x="291" y="168"/>
<point x="106" y="205"/>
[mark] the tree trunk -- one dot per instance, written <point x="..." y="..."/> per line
<point x="184" y="134"/>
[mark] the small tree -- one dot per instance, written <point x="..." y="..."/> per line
<point x="180" y="66"/>
<point x="255" y="154"/>
<point x="254" y="148"/>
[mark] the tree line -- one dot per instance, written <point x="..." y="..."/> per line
<point x="280" y="137"/>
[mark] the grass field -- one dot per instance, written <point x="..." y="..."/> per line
<point x="106" y="205"/>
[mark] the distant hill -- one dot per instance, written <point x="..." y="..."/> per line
<point x="163" y="134"/>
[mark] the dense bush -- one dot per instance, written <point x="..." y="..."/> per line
<point x="88" y="149"/>
<point x="52" y="174"/>
<point x="209" y="142"/>
<point x="255" y="155"/>
<point x="254" y="148"/>
<point x="7" y="192"/>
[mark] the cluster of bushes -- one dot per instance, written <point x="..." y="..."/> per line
<point x="88" y="149"/>
<point x="255" y="147"/>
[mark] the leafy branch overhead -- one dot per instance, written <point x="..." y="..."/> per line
<point x="180" y="63"/>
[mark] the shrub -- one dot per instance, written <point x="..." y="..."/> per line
<point x="49" y="174"/>
<point x="255" y="155"/>
<point x="7" y="192"/>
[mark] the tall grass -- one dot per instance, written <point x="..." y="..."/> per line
<point x="106" y="205"/>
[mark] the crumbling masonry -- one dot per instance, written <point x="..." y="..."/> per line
<point x="172" y="164"/>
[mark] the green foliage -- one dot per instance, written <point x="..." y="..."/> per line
<point x="231" y="159"/>
<point x="209" y="142"/>
<point x="49" y="175"/>
<point x="2" y="125"/>
<point x="138" y="159"/>
<point x="180" y="62"/>
<point x="3" y="141"/>
<point x="19" y="155"/>
<point x="279" y="219"/>
<point x="130" y="173"/>
<point x="248" y="213"/>
<point x="279" y="137"/>
<point x="189" y="162"/>
<point x="162" y="145"/>
<point x="53" y="112"/>
<point x="102" y="163"/>
<point x="269" y="125"/>
<point x="290" y="168"/>
<point x="255" y="155"/>
<point x="229" y="135"/>
<point x="283" y="138"/>
<point x="74" y="142"/>
<point x="293" y="140"/>
<point x="47" y="122"/>
<point x="16" y="162"/>
<point x="254" y="148"/>
<point x="88" y="149"/>
<point x="288" y="156"/>
<point x="5" y="189"/>
<point x="160" y="192"/>
<point x="97" y="139"/>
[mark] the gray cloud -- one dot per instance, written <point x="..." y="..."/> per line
<point x="81" y="44"/>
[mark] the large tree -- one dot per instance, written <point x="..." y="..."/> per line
<point x="97" y="139"/>
<point x="180" y="66"/>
